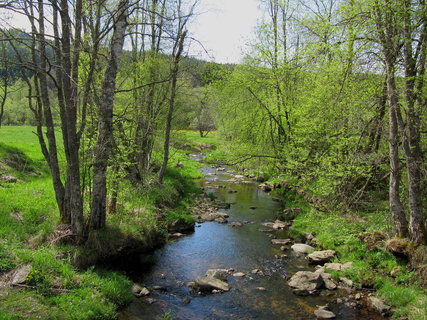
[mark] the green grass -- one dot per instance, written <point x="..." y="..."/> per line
<point x="371" y="268"/>
<point x="22" y="138"/>
<point x="29" y="215"/>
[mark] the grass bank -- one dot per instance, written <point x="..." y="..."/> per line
<point x="63" y="282"/>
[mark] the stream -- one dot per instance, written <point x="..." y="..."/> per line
<point x="243" y="248"/>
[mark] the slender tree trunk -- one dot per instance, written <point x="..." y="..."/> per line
<point x="388" y="33"/>
<point x="50" y="153"/>
<point x="105" y="122"/>
<point x="68" y="57"/>
<point x="411" y="136"/>
<point x="396" y="208"/>
<point x="175" y="69"/>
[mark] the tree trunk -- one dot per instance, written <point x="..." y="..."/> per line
<point x="50" y="153"/>
<point x="411" y="143"/>
<point x="105" y="122"/>
<point x="175" y="69"/>
<point x="396" y="208"/>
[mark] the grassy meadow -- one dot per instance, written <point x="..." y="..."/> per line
<point x="55" y="287"/>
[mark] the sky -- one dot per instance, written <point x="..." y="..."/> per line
<point x="224" y="27"/>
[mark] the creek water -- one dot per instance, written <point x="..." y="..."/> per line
<point x="244" y="248"/>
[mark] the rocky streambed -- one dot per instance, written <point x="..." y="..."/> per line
<point x="240" y="263"/>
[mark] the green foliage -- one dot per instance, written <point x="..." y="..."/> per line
<point x="7" y="258"/>
<point x="407" y="301"/>
<point x="84" y="304"/>
<point x="168" y="315"/>
<point x="111" y="285"/>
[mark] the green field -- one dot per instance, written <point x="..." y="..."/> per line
<point x="29" y="217"/>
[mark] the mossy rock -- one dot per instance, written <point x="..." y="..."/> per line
<point x="400" y="247"/>
<point x="374" y="240"/>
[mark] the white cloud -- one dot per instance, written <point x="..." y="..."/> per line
<point x="224" y="27"/>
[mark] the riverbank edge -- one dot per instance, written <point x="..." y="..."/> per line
<point x="61" y="281"/>
<point x="379" y="264"/>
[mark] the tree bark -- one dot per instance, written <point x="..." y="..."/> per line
<point x="50" y="152"/>
<point x="411" y="136"/>
<point x="105" y="122"/>
<point x="396" y="208"/>
<point x="388" y="33"/>
<point x="175" y="69"/>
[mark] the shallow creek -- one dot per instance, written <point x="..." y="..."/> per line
<point x="244" y="248"/>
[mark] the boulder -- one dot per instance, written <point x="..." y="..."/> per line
<point x="398" y="247"/>
<point x="239" y="274"/>
<point x="208" y="284"/>
<point x="239" y="176"/>
<point x="179" y="226"/>
<point x="320" y="257"/>
<point x="322" y="313"/>
<point x="327" y="280"/>
<point x="302" y="248"/>
<point x="338" y="266"/>
<point x="176" y="235"/>
<point x="346" y="282"/>
<point x="139" y="291"/>
<point x="278" y="225"/>
<point x="378" y="305"/>
<point x="236" y="224"/>
<point x="374" y="240"/>
<point x="221" y="220"/>
<point x="220" y="274"/>
<point x="264" y="187"/>
<point x="20" y="275"/>
<point x="212" y="216"/>
<point x="281" y="241"/>
<point x="305" y="282"/>
<point x="144" y="292"/>
<point x="256" y="271"/>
